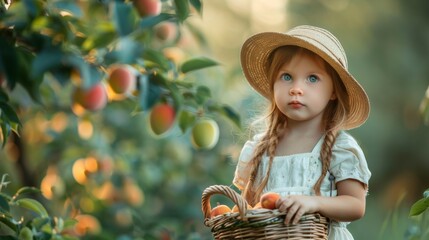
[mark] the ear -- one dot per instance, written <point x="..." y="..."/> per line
<point x="333" y="96"/>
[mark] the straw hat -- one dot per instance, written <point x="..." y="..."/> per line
<point x="257" y="49"/>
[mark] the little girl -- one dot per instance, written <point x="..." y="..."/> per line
<point x="305" y="154"/>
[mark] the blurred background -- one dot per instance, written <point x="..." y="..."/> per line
<point x="131" y="184"/>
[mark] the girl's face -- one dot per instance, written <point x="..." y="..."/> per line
<point x="303" y="88"/>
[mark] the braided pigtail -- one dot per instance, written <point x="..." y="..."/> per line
<point x="325" y="157"/>
<point x="334" y="118"/>
<point x="249" y="192"/>
<point x="268" y="144"/>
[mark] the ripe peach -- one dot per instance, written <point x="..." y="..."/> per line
<point x="147" y="8"/>
<point x="257" y="206"/>
<point x="86" y="224"/>
<point x="94" y="98"/>
<point x="205" y="134"/>
<point x="269" y="199"/>
<point x="219" y="210"/>
<point x="121" y="78"/>
<point x="162" y="118"/>
<point x="235" y="208"/>
<point x="166" y="31"/>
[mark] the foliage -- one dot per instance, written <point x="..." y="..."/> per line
<point x="106" y="169"/>
<point x="34" y="223"/>
<point x="418" y="211"/>
<point x="53" y="38"/>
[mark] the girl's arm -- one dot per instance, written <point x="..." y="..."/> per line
<point x="348" y="205"/>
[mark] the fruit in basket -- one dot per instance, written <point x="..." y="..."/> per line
<point x="269" y="199"/>
<point x="257" y="206"/>
<point x="235" y="208"/>
<point x="219" y="210"/>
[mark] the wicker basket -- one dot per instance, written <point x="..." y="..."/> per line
<point x="258" y="223"/>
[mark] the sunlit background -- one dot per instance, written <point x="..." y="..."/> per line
<point x="119" y="179"/>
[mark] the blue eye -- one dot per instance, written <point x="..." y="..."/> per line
<point x="313" y="79"/>
<point x="286" y="77"/>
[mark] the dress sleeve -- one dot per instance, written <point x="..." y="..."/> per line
<point x="244" y="168"/>
<point x="348" y="160"/>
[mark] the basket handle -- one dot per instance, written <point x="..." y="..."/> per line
<point x="224" y="190"/>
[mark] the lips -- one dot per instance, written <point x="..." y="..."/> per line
<point x="295" y="104"/>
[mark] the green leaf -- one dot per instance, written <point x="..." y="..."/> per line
<point x="128" y="50"/>
<point x="9" y="113"/>
<point x="182" y="9"/>
<point x="32" y="205"/>
<point x="186" y="120"/>
<point x="25" y="234"/>
<point x="3" y="96"/>
<point x="25" y="190"/>
<point x="419" y="207"/>
<point x="104" y="35"/>
<point x="151" y="21"/>
<point x="156" y="57"/>
<point x="18" y="16"/>
<point x="5" y="127"/>
<point x="124" y="18"/>
<point x="202" y="95"/>
<point x="197" y="5"/>
<point x="4" y="205"/>
<point x="227" y="112"/>
<point x="32" y="7"/>
<point x="197" y="63"/>
<point x="29" y="82"/>
<point x="69" y="223"/>
<point x="9" y="222"/>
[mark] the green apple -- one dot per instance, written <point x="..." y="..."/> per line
<point x="205" y="134"/>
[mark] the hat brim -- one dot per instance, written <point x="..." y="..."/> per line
<point x="254" y="61"/>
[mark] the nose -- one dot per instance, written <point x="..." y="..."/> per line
<point x="295" y="91"/>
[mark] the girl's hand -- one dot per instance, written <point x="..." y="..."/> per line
<point x="295" y="206"/>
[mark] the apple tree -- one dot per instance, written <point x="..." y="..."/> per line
<point x="93" y="95"/>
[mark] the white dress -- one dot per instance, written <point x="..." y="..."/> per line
<point x="296" y="174"/>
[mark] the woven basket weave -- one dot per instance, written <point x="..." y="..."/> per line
<point x="258" y="223"/>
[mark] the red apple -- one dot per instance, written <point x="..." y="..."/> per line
<point x="162" y="118"/>
<point x="121" y="78"/>
<point x="166" y="31"/>
<point x="94" y="98"/>
<point x="147" y="8"/>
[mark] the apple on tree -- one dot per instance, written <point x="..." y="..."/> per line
<point x="205" y="134"/>
<point x="162" y="118"/>
<point x="147" y="8"/>
<point x="166" y="31"/>
<point x="93" y="99"/>
<point x="121" y="78"/>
